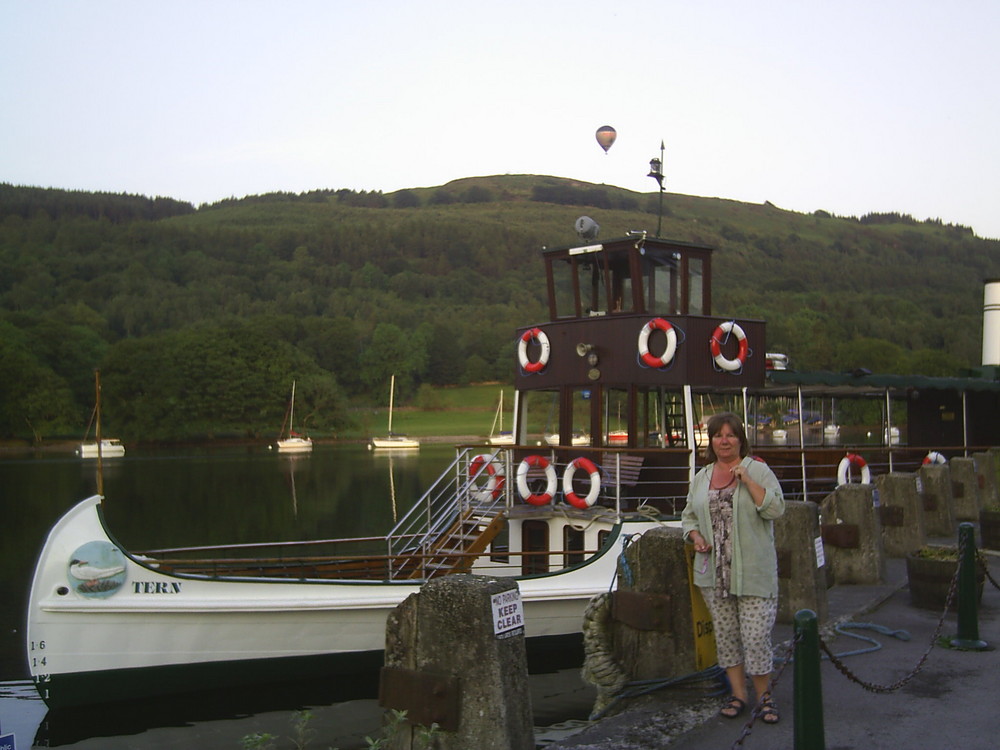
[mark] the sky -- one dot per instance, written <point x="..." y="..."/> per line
<point x="851" y="107"/>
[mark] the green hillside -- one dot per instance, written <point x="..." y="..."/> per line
<point x="199" y="318"/>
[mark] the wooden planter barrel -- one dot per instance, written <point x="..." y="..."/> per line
<point x="989" y="528"/>
<point x="930" y="580"/>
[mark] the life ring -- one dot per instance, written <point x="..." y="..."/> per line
<point x="664" y="359"/>
<point x="538" y="335"/>
<point x="550" y="480"/>
<point x="853" y="459"/>
<point x="730" y="365"/>
<point x="595" y="483"/>
<point x="495" y="478"/>
<point x="934" y="458"/>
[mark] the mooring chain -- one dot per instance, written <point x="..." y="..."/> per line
<point x="981" y="559"/>
<point x="784" y="661"/>
<point x="872" y="687"/>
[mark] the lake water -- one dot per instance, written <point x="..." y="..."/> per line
<point x="192" y="496"/>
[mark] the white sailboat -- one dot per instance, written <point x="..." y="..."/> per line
<point x="102" y="447"/>
<point x="294" y="443"/>
<point x="500" y="437"/>
<point x="393" y="440"/>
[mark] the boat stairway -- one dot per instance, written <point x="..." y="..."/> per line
<point x="455" y="520"/>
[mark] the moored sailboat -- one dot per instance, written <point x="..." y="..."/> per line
<point x="293" y="442"/>
<point x="392" y="439"/>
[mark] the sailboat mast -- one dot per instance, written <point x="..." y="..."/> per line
<point x="291" y="413"/>
<point x="100" y="448"/>
<point x="392" y="388"/>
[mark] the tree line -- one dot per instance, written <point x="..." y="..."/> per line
<point x="199" y="319"/>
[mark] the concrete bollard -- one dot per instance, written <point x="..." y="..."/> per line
<point x="655" y="626"/>
<point x="852" y="535"/>
<point x="934" y="484"/>
<point x="901" y="514"/>
<point x="455" y="656"/>
<point x="967" y="499"/>
<point x="986" y="475"/>
<point x="801" y="572"/>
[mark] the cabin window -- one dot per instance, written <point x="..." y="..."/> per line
<point x="592" y="280"/>
<point x="696" y="290"/>
<point x="500" y="547"/>
<point x="534" y="541"/>
<point x="564" y="290"/>
<point x="662" y="283"/>
<point x="602" y="539"/>
<point x="573" y="544"/>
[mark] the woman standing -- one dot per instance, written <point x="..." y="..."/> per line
<point x="729" y="516"/>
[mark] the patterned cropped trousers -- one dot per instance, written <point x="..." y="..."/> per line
<point x="742" y="626"/>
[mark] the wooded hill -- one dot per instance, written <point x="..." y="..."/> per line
<point x="199" y="319"/>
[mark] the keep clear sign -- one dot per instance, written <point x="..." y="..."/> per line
<point x="508" y="614"/>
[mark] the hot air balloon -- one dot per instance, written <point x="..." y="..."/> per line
<point x="606" y="137"/>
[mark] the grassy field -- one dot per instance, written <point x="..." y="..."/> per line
<point x="448" y="412"/>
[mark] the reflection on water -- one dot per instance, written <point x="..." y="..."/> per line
<point x="184" y="497"/>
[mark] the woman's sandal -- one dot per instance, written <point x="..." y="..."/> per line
<point x="767" y="711"/>
<point x="733" y="707"/>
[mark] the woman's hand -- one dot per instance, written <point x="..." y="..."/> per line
<point x="700" y="545"/>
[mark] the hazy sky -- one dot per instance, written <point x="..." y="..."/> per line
<point x="850" y="107"/>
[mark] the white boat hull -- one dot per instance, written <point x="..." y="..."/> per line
<point x="295" y="445"/>
<point x="136" y="632"/>
<point x="394" y="442"/>
<point x="110" y="448"/>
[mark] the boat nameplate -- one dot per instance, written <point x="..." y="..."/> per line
<point x="643" y="611"/>
<point x="426" y="697"/>
<point x="842" y="535"/>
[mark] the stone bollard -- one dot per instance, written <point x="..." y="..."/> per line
<point x="655" y="627"/>
<point x="934" y="484"/>
<point x="801" y="574"/>
<point x="986" y="475"/>
<point x="901" y="514"/>
<point x="852" y="535"/>
<point x="967" y="499"/>
<point x="455" y="656"/>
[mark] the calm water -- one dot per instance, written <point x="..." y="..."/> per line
<point x="190" y="496"/>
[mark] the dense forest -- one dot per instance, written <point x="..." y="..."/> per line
<point x="199" y="318"/>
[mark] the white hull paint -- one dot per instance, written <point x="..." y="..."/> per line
<point x="110" y="448"/>
<point x="151" y="620"/>
<point x="295" y="445"/>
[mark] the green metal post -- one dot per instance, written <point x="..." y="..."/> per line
<point x="808" y="708"/>
<point x="968" y="593"/>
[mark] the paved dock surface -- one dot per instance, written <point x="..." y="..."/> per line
<point x="953" y="701"/>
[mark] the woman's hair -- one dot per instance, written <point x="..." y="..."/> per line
<point x="716" y="423"/>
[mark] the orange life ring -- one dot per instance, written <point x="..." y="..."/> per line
<point x="934" y="458"/>
<point x="651" y="360"/>
<point x="550" y="480"/>
<point x="595" y="483"/>
<point x="533" y="334"/>
<point x="724" y="363"/>
<point x="495" y="478"/>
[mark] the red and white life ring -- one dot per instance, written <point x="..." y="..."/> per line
<point x="495" y="478"/>
<point x="550" y="480"/>
<point x="595" y="483"/>
<point x="934" y="458"/>
<point x="536" y="334"/>
<point x="724" y="363"/>
<point x="651" y="360"/>
<point x="853" y="459"/>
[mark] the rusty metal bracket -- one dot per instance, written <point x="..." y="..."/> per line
<point x="427" y="698"/>
<point x="842" y="535"/>
<point x="643" y="611"/>
<point x="891" y="515"/>
<point x="784" y="563"/>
